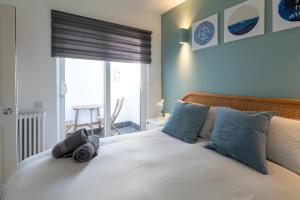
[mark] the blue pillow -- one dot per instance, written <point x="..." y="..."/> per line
<point x="241" y="136"/>
<point x="186" y="121"/>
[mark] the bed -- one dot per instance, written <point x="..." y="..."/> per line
<point x="152" y="165"/>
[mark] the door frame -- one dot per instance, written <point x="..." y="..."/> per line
<point x="8" y="68"/>
<point x="144" y="95"/>
<point x="107" y="99"/>
<point x="61" y="91"/>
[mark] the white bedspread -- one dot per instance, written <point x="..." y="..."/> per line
<point x="149" y="166"/>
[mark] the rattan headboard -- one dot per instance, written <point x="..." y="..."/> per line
<point x="289" y="108"/>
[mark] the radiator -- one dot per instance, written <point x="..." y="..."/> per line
<point x="31" y="134"/>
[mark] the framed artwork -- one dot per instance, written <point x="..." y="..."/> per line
<point x="244" y="20"/>
<point x="205" y="33"/>
<point x="286" y="14"/>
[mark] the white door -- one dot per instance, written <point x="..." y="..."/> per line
<point x="110" y="80"/>
<point x="8" y="136"/>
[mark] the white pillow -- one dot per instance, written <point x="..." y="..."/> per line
<point x="209" y="123"/>
<point x="283" y="143"/>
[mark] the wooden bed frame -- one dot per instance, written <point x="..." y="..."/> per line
<point x="288" y="108"/>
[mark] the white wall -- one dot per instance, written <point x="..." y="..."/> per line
<point x="36" y="68"/>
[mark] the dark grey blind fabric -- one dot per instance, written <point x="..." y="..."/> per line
<point x="75" y="36"/>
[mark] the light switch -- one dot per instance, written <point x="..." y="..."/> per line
<point x="38" y="105"/>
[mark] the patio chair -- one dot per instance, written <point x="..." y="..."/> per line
<point x="68" y="126"/>
<point x="117" y="110"/>
<point x="115" y="114"/>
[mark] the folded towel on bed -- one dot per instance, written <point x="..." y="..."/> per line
<point x="69" y="144"/>
<point x="87" y="151"/>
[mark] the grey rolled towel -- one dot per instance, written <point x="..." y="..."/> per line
<point x="69" y="144"/>
<point x="87" y="151"/>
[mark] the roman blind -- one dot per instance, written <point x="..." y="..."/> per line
<point x="75" y="36"/>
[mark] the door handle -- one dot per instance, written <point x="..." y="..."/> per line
<point x="7" y="111"/>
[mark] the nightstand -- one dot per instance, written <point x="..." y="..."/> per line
<point x="155" y="123"/>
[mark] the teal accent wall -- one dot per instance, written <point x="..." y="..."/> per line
<point x="265" y="66"/>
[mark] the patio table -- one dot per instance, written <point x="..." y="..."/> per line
<point x="91" y="108"/>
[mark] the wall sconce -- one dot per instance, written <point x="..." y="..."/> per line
<point x="183" y="35"/>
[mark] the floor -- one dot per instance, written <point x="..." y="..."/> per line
<point x="127" y="130"/>
<point x="123" y="130"/>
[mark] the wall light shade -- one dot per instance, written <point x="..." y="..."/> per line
<point x="183" y="35"/>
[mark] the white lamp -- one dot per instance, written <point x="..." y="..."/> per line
<point x="160" y="106"/>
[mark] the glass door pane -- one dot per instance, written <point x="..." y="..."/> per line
<point x="125" y="97"/>
<point x="84" y="97"/>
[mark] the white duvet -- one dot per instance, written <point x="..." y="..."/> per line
<point x="149" y="166"/>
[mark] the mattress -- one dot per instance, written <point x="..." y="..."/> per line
<point x="150" y="166"/>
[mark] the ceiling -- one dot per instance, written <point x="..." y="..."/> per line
<point x="157" y="6"/>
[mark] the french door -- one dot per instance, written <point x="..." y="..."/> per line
<point x="107" y="98"/>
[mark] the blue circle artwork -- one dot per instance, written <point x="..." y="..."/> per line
<point x="204" y="33"/>
<point x="243" y="20"/>
<point x="289" y="10"/>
